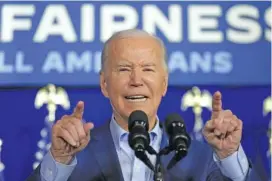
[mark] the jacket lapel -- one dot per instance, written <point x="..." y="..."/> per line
<point x="106" y="155"/>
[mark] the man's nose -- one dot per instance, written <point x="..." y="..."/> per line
<point x="136" y="78"/>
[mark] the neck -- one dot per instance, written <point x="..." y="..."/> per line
<point x="123" y="122"/>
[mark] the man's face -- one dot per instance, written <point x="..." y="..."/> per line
<point x="134" y="76"/>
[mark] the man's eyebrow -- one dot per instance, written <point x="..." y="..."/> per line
<point x="126" y="64"/>
<point x="123" y="65"/>
<point x="148" y="65"/>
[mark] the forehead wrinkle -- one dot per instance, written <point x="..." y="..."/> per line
<point x="124" y="39"/>
<point x="114" y="41"/>
<point x="122" y="43"/>
<point x="140" y="52"/>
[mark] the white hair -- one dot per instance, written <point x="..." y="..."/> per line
<point x="131" y="33"/>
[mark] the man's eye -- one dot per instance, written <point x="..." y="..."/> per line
<point x="123" y="69"/>
<point x="148" y="70"/>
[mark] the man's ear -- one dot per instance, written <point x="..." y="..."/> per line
<point x="103" y="84"/>
<point x="165" y="85"/>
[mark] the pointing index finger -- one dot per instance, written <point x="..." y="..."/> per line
<point x="78" y="110"/>
<point x="216" y="104"/>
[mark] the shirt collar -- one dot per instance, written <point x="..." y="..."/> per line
<point x="119" y="134"/>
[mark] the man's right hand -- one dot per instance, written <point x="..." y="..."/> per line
<point x="70" y="135"/>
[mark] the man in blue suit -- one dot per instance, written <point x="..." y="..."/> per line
<point x="134" y="77"/>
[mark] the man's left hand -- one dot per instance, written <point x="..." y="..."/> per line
<point x="224" y="131"/>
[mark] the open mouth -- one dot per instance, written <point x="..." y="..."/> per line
<point x="136" y="98"/>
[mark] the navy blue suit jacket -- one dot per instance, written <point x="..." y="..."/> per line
<point x="99" y="162"/>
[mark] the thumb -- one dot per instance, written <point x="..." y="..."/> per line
<point x="88" y="127"/>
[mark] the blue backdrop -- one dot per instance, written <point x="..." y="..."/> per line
<point x="214" y="45"/>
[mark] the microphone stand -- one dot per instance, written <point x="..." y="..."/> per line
<point x="158" y="169"/>
<point x="158" y="175"/>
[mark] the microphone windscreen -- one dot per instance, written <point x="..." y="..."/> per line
<point x="137" y="115"/>
<point x="174" y="117"/>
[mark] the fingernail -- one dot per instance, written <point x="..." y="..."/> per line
<point x="74" y="144"/>
<point x="216" y="132"/>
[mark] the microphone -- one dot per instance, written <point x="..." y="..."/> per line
<point x="179" y="139"/>
<point x="138" y="137"/>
